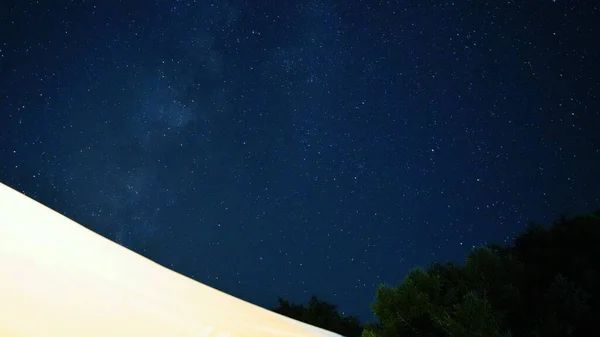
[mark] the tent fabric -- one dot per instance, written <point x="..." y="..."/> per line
<point x="59" y="279"/>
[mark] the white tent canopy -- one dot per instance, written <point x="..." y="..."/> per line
<point x="59" y="279"/>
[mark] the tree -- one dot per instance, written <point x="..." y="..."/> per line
<point x="444" y="300"/>
<point x="321" y="314"/>
<point x="546" y="284"/>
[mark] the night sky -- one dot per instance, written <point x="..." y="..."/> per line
<point x="289" y="148"/>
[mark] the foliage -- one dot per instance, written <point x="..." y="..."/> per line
<point x="322" y="314"/>
<point x="545" y="284"/>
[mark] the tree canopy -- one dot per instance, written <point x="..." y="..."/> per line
<point x="545" y="283"/>
<point x="322" y="314"/>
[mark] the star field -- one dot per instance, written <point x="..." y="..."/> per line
<point x="283" y="148"/>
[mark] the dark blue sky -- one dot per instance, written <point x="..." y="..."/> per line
<point x="290" y="148"/>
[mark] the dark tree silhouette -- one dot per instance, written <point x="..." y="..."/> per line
<point x="545" y="284"/>
<point x="322" y="314"/>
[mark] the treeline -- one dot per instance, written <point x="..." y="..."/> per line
<point x="545" y="283"/>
